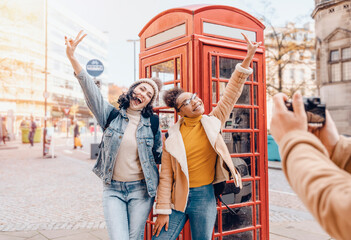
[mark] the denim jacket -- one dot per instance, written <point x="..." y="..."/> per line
<point x="112" y="137"/>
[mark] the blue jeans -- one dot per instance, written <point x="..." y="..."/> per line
<point x="200" y="210"/>
<point x="126" y="208"/>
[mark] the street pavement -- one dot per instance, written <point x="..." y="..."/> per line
<point x="60" y="198"/>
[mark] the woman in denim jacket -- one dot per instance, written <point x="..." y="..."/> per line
<point x="129" y="151"/>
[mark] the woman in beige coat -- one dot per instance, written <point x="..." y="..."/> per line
<point x="194" y="157"/>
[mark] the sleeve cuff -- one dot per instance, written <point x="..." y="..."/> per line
<point x="243" y="70"/>
<point x="163" y="211"/>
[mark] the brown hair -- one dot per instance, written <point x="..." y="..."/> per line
<point x="170" y="97"/>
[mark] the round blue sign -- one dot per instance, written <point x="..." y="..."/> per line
<point x="95" y="67"/>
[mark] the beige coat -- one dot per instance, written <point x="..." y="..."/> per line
<point x="323" y="183"/>
<point x="173" y="188"/>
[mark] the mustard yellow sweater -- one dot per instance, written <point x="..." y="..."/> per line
<point x="201" y="156"/>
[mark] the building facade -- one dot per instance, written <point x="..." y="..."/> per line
<point x="333" y="55"/>
<point x="290" y="61"/>
<point x="22" y="56"/>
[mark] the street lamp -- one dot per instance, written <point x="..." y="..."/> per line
<point x="134" y="41"/>
<point x="46" y="74"/>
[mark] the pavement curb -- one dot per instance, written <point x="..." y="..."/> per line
<point x="277" y="165"/>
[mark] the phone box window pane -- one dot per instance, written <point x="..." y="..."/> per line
<point x="225" y="31"/>
<point x="254" y="72"/>
<point x="159" y="100"/>
<point x="239" y="118"/>
<point x="164" y="71"/>
<point x="258" y="214"/>
<point x="227" y="67"/>
<point x="240" y="236"/>
<point x="257" y="166"/>
<point x="245" y="97"/>
<point x="214" y="92"/>
<point x="243" y="166"/>
<point x="257" y="189"/>
<point x="166" y="120"/>
<point x="255" y="94"/>
<point x="242" y="219"/>
<point x="237" y="142"/>
<point x="166" y="35"/>
<point x="178" y="68"/>
<point x="214" y="65"/>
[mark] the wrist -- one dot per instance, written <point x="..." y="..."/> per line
<point x="72" y="58"/>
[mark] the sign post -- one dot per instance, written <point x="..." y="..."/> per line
<point x="94" y="68"/>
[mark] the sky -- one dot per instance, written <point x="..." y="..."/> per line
<point x="124" y="20"/>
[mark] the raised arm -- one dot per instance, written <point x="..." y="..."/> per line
<point x="235" y="85"/>
<point x="93" y="97"/>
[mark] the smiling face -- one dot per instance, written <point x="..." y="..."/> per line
<point x="141" y="96"/>
<point x="195" y="107"/>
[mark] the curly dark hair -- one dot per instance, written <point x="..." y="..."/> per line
<point x="124" y="102"/>
<point x="170" y="97"/>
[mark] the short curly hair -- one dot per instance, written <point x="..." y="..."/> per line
<point x="170" y="97"/>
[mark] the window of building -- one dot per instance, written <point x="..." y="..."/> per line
<point x="292" y="73"/>
<point x="346" y="71"/>
<point x="346" y="53"/>
<point x="340" y="65"/>
<point x="302" y="74"/>
<point x="335" y="72"/>
<point x="334" y="55"/>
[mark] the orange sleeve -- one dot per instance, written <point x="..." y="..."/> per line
<point x="342" y="154"/>
<point x="164" y="190"/>
<point x="322" y="186"/>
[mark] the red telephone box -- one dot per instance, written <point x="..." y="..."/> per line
<point x="197" y="47"/>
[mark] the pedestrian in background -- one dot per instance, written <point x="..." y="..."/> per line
<point x="129" y="150"/>
<point x="195" y="157"/>
<point x="76" y="136"/>
<point x="3" y="130"/>
<point x="317" y="164"/>
<point x="32" y="129"/>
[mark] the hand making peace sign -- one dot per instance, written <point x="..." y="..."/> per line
<point x="72" y="44"/>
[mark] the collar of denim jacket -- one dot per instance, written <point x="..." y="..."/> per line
<point x="123" y="112"/>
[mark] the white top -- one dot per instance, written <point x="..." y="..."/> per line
<point x="127" y="167"/>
